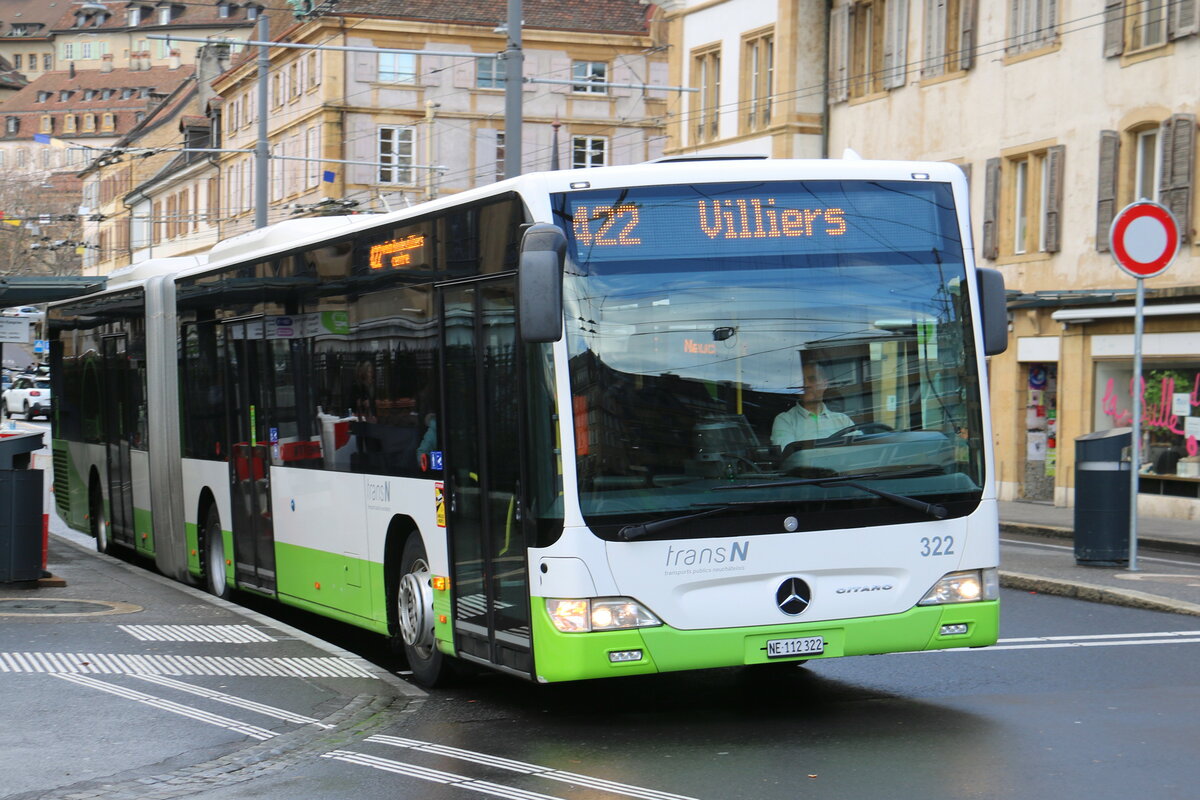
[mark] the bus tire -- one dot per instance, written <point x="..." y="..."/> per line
<point x="410" y="600"/>
<point x="96" y="519"/>
<point x="214" y="556"/>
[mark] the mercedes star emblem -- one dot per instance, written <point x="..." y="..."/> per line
<point x="793" y="596"/>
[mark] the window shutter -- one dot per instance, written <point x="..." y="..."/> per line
<point x="1114" y="33"/>
<point x="966" y="40"/>
<point x="1178" y="136"/>
<point x="464" y="73"/>
<point x="934" y="62"/>
<point x="1052" y="224"/>
<point x="839" y="54"/>
<point x="366" y="67"/>
<point x="431" y="71"/>
<point x="991" y="208"/>
<point x="1106" y="194"/>
<point x="1016" y="31"/>
<point x="1185" y="18"/>
<point x="895" y="47"/>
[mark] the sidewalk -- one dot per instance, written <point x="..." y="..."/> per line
<point x="1037" y="554"/>
<point x="124" y="683"/>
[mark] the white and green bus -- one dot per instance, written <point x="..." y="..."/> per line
<point x="686" y="414"/>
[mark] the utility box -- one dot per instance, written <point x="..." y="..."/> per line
<point x="1102" y="498"/>
<point x="22" y="546"/>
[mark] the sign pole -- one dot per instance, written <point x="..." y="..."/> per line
<point x="1135" y="457"/>
<point x="1144" y="240"/>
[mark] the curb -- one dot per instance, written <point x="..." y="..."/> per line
<point x="1177" y="546"/>
<point x="1096" y="594"/>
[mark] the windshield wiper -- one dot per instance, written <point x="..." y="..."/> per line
<point x="630" y="532"/>
<point x="935" y="510"/>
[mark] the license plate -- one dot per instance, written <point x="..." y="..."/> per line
<point x="784" y="648"/>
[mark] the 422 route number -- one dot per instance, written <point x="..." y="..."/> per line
<point x="937" y="546"/>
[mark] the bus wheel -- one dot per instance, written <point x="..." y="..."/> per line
<point x="96" y="518"/>
<point x="413" y="603"/>
<point x="214" y="556"/>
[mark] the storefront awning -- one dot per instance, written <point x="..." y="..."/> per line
<point x="1069" y="315"/>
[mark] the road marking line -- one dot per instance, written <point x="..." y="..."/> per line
<point x="1048" y="546"/>
<point x="232" y="700"/>
<point x="253" y="731"/>
<point x="1101" y="636"/>
<point x="435" y="776"/>
<point x="222" y="634"/>
<point x="526" y="768"/>
<point x="223" y="666"/>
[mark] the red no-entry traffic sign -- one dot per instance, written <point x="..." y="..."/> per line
<point x="1144" y="239"/>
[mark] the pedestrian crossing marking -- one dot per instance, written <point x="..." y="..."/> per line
<point x="223" y="634"/>
<point x="225" y="666"/>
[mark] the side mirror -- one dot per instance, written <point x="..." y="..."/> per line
<point x="540" y="282"/>
<point x="993" y="309"/>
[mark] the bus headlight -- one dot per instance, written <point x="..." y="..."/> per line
<point x="583" y="615"/>
<point x="963" y="587"/>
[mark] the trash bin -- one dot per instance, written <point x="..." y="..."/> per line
<point x="1102" y="498"/>
<point x="21" y="542"/>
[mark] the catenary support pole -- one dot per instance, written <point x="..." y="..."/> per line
<point x="262" y="152"/>
<point x="513" y="86"/>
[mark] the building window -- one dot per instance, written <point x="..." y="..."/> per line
<point x="69" y="123"/>
<point x="706" y="77"/>
<point x="223" y="10"/>
<point x="251" y="12"/>
<point x="500" y="155"/>
<point x="1023" y="203"/>
<point x="46" y="124"/>
<point x="1134" y="26"/>
<point x="1152" y="159"/>
<point x="89" y="122"/>
<point x="86" y="50"/>
<point x="396" y="154"/>
<point x="314" y="69"/>
<point x="588" y="151"/>
<point x="397" y="68"/>
<point x="1032" y="25"/>
<point x="866" y="50"/>
<point x="133" y="16"/>
<point x="312" y="151"/>
<point x="12" y="125"/>
<point x="758" y="80"/>
<point x="1146" y="24"/>
<point x="949" y="37"/>
<point x="17" y="61"/>
<point x="47" y="61"/>
<point x="489" y="73"/>
<point x="164" y="15"/>
<point x="587" y="74"/>
<point x="107" y="121"/>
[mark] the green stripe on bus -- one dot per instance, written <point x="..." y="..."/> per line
<point x="577" y="656"/>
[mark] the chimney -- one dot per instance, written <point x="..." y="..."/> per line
<point x="106" y="62"/>
<point x="173" y="60"/>
<point x="72" y="71"/>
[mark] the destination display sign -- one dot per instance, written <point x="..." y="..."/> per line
<point x="759" y="219"/>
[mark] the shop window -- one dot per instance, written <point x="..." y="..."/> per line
<point x="1041" y="432"/>
<point x="1170" y="418"/>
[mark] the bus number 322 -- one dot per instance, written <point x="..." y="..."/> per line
<point x="937" y="546"/>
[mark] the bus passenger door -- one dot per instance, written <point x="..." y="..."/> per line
<point x="482" y="405"/>
<point x="249" y="382"/>
<point x="116" y="432"/>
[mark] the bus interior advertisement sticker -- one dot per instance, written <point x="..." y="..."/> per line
<point x="439" y="501"/>
<point x="253" y="427"/>
<point x="782" y="218"/>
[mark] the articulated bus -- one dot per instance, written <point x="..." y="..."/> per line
<point x="686" y="414"/>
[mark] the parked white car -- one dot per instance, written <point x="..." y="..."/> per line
<point x="28" y="395"/>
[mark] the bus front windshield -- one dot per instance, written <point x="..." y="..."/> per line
<point x="768" y="348"/>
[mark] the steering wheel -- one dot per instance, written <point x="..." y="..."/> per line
<point x="861" y="427"/>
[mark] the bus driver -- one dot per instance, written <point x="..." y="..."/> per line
<point x="810" y="418"/>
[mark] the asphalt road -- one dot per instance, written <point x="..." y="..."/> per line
<point x="1078" y="700"/>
